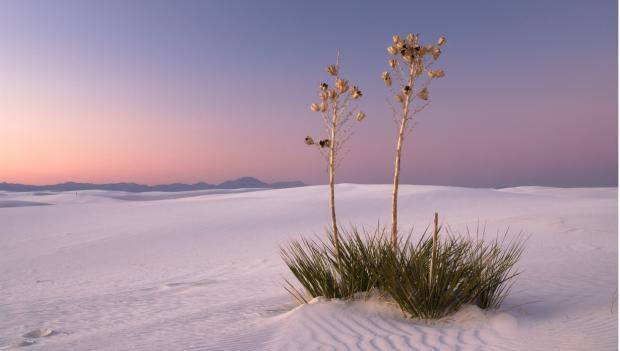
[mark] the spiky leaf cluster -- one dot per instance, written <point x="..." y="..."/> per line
<point x="466" y="270"/>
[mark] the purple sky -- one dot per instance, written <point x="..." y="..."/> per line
<point x="187" y="91"/>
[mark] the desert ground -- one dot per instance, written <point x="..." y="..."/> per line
<point x="100" y="270"/>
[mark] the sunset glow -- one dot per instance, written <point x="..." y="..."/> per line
<point x="156" y="92"/>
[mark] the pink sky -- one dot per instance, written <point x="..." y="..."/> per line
<point x="181" y="94"/>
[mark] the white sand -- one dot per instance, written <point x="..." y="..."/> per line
<point x="202" y="271"/>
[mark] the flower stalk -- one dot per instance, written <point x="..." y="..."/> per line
<point x="410" y="60"/>
<point x="336" y="111"/>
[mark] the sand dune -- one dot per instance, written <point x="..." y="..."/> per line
<point x="202" y="272"/>
<point x="19" y="203"/>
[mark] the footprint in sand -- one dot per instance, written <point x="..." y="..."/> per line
<point x="39" y="333"/>
<point x="30" y="338"/>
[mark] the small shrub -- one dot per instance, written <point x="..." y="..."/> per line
<point x="454" y="280"/>
<point x="315" y="264"/>
<point x="310" y="263"/>
<point x="496" y="263"/>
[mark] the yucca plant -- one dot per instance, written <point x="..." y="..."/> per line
<point x="429" y="278"/>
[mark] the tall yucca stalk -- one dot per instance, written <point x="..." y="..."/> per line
<point x="335" y="108"/>
<point x="409" y="62"/>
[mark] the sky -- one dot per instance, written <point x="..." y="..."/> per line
<point x="188" y="91"/>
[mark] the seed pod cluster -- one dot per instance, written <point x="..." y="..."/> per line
<point x="334" y="105"/>
<point x="411" y="51"/>
<point x="417" y="57"/>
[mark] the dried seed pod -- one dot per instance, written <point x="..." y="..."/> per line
<point x="423" y="94"/>
<point x="412" y="38"/>
<point x="395" y="38"/>
<point x="399" y="98"/>
<point x="407" y="90"/>
<point x="400" y="46"/>
<point x="424" y="50"/>
<point x="332" y="70"/>
<point x="387" y="79"/>
<point x="393" y="63"/>
<point x="323" y="86"/>
<point x="325" y="143"/>
<point x="323" y="107"/>
<point x="435" y="52"/>
<point x="314" y="107"/>
<point x="333" y="94"/>
<point x="408" y="58"/>
<point x="309" y="140"/>
<point x="356" y="93"/>
<point x="441" y="40"/>
<point x="342" y="85"/>
<point x="417" y="70"/>
<point x="392" y="50"/>
<point x="436" y="74"/>
<point x="360" y="116"/>
<point x="324" y="95"/>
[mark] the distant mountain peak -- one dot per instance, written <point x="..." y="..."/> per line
<point x="243" y="182"/>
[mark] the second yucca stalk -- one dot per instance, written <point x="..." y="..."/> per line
<point x="416" y="60"/>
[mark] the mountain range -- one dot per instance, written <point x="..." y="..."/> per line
<point x="244" y="182"/>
